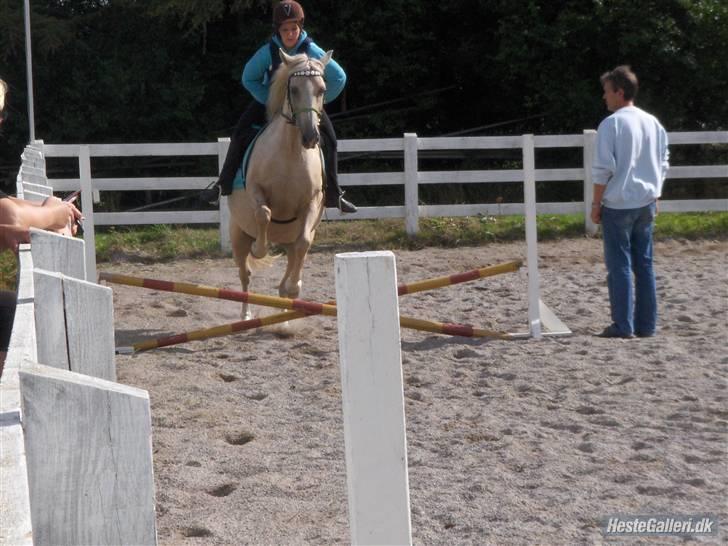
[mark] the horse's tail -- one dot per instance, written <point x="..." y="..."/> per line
<point x="256" y="264"/>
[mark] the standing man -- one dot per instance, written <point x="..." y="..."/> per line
<point x="630" y="166"/>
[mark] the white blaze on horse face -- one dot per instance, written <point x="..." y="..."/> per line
<point x="307" y="98"/>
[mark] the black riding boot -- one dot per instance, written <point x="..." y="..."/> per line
<point x="333" y="195"/>
<point x="241" y="138"/>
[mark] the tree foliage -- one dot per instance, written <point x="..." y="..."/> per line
<point x="169" y="70"/>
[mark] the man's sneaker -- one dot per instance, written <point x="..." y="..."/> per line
<point x="612" y="331"/>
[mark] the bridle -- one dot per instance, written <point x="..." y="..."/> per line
<point x="307" y="73"/>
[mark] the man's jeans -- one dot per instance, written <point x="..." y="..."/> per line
<point x="627" y="237"/>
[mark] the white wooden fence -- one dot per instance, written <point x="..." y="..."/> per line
<point x="75" y="446"/>
<point x="411" y="177"/>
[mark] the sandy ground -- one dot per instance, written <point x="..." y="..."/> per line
<point x="509" y="442"/>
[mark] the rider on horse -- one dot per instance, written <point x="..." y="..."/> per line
<point x="288" y="35"/>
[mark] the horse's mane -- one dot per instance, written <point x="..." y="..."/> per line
<point x="279" y="84"/>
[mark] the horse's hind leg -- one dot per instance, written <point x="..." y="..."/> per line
<point x="262" y="220"/>
<point x="241" y="243"/>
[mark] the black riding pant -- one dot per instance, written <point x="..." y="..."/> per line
<point x="248" y="125"/>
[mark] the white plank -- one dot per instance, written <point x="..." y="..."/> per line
<point x="89" y="312"/>
<point x="170" y="217"/>
<point x="87" y="208"/>
<point x="88" y="449"/>
<point x="495" y="209"/>
<point x="136" y="184"/>
<point x="133" y="150"/>
<point x="698" y="171"/>
<point x="50" y="319"/>
<point x="22" y="338"/>
<point x="558" y="141"/>
<point x="15" y="521"/>
<point x="470" y="143"/>
<point x="223" y="206"/>
<point x="529" y="196"/>
<point x="371" y="145"/>
<point x="38" y="188"/>
<point x="365" y="213"/>
<point x="373" y="398"/>
<point x="698" y="137"/>
<point x="411" y="186"/>
<point x="54" y="252"/>
<point x="30" y="195"/>
<point x="371" y="179"/>
<point x="695" y="205"/>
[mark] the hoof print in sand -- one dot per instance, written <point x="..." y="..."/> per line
<point x="196" y="531"/>
<point x="228" y="378"/>
<point x="223" y="490"/>
<point x="239" y="438"/>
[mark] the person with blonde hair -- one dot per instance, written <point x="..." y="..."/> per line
<point x="17" y="216"/>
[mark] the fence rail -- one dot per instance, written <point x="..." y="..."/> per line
<point x="411" y="177"/>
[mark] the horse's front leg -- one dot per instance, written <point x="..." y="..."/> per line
<point x="290" y="286"/>
<point x="262" y="221"/>
<point x="241" y="243"/>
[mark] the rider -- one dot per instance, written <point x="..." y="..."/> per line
<point x="288" y="34"/>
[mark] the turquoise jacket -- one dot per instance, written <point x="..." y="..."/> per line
<point x="255" y="75"/>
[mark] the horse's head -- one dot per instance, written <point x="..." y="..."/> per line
<point x="304" y="93"/>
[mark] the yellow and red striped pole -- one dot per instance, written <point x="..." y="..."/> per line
<point x="302" y="308"/>
<point x="462" y="330"/>
<point x="449" y="280"/>
<point x="273" y="301"/>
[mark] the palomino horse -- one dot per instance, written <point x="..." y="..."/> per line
<point x="283" y="197"/>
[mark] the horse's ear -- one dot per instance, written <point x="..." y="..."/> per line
<point x="327" y="57"/>
<point x="287" y="59"/>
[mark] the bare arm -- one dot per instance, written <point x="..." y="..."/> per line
<point x="596" y="210"/>
<point x="11" y="236"/>
<point x="53" y="214"/>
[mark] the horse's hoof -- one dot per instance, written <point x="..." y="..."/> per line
<point x="258" y="255"/>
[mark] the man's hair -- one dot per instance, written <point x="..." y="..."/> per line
<point x="622" y="78"/>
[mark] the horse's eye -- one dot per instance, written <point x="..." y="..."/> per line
<point x="294" y="91"/>
<point x="321" y="92"/>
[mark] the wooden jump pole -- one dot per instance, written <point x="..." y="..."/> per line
<point x="302" y="308"/>
<point x="461" y="330"/>
<point x="273" y="301"/>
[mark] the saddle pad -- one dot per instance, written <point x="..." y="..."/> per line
<point x="239" y="180"/>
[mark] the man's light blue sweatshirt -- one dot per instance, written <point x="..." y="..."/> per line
<point x="631" y="158"/>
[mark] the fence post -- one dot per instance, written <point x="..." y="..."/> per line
<point x="89" y="458"/>
<point x="87" y="204"/>
<point x="411" y="194"/>
<point x="373" y="398"/>
<point x="529" y="197"/>
<point x="590" y="140"/>
<point x="222" y="147"/>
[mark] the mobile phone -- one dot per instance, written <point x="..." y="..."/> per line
<point x="73" y="196"/>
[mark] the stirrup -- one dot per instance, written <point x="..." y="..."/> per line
<point x="345" y="206"/>
<point x="211" y="195"/>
